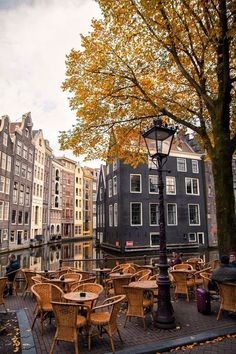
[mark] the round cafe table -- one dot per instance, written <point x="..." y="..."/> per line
<point x="75" y="296"/>
<point x="101" y="273"/>
<point x="144" y="284"/>
<point x="120" y="275"/>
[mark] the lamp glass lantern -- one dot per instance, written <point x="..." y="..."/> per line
<point x="159" y="139"/>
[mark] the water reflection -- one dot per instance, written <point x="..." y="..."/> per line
<point x="48" y="257"/>
<point x="85" y="255"/>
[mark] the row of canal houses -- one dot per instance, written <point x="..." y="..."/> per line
<point x="42" y="197"/>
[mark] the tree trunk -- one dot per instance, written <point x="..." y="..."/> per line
<point x="225" y="203"/>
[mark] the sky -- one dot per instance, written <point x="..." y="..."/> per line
<point x="35" y="36"/>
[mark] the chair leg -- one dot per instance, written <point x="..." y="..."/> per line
<point x="119" y="335"/>
<point x="126" y="320"/>
<point x="219" y="313"/>
<point x="53" y="345"/>
<point x="32" y="326"/>
<point x="144" y="324"/>
<point x="76" y="343"/>
<point x="112" y="343"/>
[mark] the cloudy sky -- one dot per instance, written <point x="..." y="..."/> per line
<point x="35" y="36"/>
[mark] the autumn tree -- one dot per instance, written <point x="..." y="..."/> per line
<point x="152" y="57"/>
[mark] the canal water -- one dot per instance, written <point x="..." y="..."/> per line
<point x="83" y="255"/>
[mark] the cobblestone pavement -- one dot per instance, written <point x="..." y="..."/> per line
<point x="189" y="322"/>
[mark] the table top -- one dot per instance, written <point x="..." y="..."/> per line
<point x="76" y="296"/>
<point x="102" y="270"/>
<point x="67" y="280"/>
<point x="144" y="284"/>
<point x="118" y="275"/>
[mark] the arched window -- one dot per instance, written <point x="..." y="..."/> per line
<point x="57" y="188"/>
<point x="56" y="202"/>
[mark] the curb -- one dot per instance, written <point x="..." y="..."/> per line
<point x="165" y="345"/>
<point x="27" y="341"/>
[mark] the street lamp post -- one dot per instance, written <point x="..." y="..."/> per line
<point x="158" y="139"/>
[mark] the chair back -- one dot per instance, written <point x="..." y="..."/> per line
<point x="119" y="283"/>
<point x="135" y="297"/>
<point x="228" y="295"/>
<point x="196" y="262"/>
<point x="88" y="280"/>
<point x="37" y="279"/>
<point x="76" y="276"/>
<point x="183" y="266"/>
<point x="114" y="304"/>
<point x="205" y="278"/>
<point x="119" y="267"/>
<point x="144" y="274"/>
<point x="90" y="287"/>
<point x="66" y="316"/>
<point x="45" y="293"/>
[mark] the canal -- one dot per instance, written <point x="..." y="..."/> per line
<point x="83" y="255"/>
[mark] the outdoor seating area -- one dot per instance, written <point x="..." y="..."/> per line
<point x="92" y="306"/>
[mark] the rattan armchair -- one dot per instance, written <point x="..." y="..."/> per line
<point x="77" y="277"/>
<point x="118" y="285"/>
<point x="68" y="322"/>
<point x="45" y="293"/>
<point x="28" y="274"/>
<point x="228" y="297"/>
<point x="139" y="300"/>
<point x="105" y="319"/>
<point x="182" y="281"/>
<point x="3" y="282"/>
<point x="196" y="262"/>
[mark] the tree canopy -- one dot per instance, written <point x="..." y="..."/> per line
<point x="150" y="57"/>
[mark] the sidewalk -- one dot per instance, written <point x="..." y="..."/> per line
<point x="191" y="327"/>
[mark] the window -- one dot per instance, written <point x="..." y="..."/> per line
<point x="4" y="234"/>
<point x="200" y="237"/>
<point x="154" y="214"/>
<point x="5" y="139"/>
<point x="115" y="165"/>
<point x="17" y="168"/>
<point x="13" y="216"/>
<point x="195" y="166"/>
<point x="192" y="237"/>
<point x="192" y="186"/>
<point x="27" y="196"/>
<point x="30" y="155"/>
<point x="151" y="164"/>
<point x="135" y="184"/>
<point x="193" y="214"/>
<point x="181" y="165"/>
<point x="115" y="214"/>
<point x="29" y="174"/>
<point x="25" y="152"/>
<point x="21" y="197"/>
<point x="7" y="186"/>
<point x="6" y="211"/>
<point x="2" y="184"/>
<point x="110" y="215"/>
<point x="1" y="209"/>
<point x="23" y="170"/>
<point x="153" y="184"/>
<point x="171" y="214"/>
<point x="25" y="235"/>
<point x="15" y="192"/>
<point x="136" y="214"/>
<point x="154" y="239"/>
<point x="4" y="161"/>
<point x="20" y="217"/>
<point x="18" y="147"/>
<point x="26" y="221"/>
<point x="170" y="185"/>
<point x="110" y="188"/>
<point x="12" y="236"/>
<point x="115" y="185"/>
<point x="26" y="132"/>
<point x="9" y="163"/>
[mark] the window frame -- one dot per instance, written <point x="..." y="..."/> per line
<point x="140" y="211"/>
<point x="168" y="184"/>
<point x="179" y="160"/>
<point x="176" y="214"/>
<point x="157" y="213"/>
<point x="198" y="209"/>
<point x="191" y="179"/>
<point x="149" y="185"/>
<point x="140" y="182"/>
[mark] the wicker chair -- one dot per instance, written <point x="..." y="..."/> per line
<point x="118" y="284"/>
<point x="45" y="293"/>
<point x="88" y="280"/>
<point x="3" y="282"/>
<point x="29" y="282"/>
<point x="228" y="297"/>
<point x="76" y="276"/>
<point x="106" y="320"/>
<point x="37" y="279"/>
<point x="183" y="282"/>
<point x="138" y="303"/>
<point x="68" y="321"/>
<point x="196" y="262"/>
<point x="182" y="266"/>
